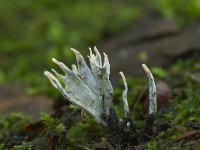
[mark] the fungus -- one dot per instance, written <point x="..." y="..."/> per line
<point x="90" y="89"/>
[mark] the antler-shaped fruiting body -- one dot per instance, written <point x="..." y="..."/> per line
<point x="152" y="90"/>
<point x="91" y="89"/>
<point x="87" y="87"/>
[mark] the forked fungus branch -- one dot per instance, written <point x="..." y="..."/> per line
<point x="90" y="89"/>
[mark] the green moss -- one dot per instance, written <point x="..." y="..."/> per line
<point x="184" y="106"/>
<point x="182" y="110"/>
<point x="85" y="133"/>
<point x="34" y="32"/>
<point x="152" y="145"/>
<point x="15" y="121"/>
<point x="11" y="128"/>
<point x="51" y="122"/>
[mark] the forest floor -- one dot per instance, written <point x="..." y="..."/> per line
<point x="173" y="54"/>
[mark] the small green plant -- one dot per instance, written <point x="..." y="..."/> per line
<point x="152" y="145"/>
<point x="49" y="121"/>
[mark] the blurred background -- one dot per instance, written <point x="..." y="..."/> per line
<point x="131" y="32"/>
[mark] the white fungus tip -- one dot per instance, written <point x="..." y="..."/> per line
<point x="74" y="69"/>
<point x="54" y="60"/>
<point x="96" y="50"/>
<point x="73" y="66"/>
<point x="123" y="78"/>
<point x="76" y="52"/>
<point x="54" y="71"/>
<point x="105" y="58"/>
<point x="46" y="73"/>
<point x="146" y="69"/>
<point x="122" y="75"/>
<point x="57" y="74"/>
<point x="49" y="75"/>
<point x="90" y="51"/>
<point x="51" y="78"/>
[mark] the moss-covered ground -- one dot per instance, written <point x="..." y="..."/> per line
<point x="174" y="122"/>
<point x="34" y="32"/>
